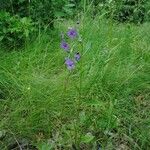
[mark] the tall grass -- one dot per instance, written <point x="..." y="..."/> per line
<point x="114" y="106"/>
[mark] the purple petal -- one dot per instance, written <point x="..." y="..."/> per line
<point x="69" y="63"/>
<point x="64" y="46"/>
<point x="72" y="33"/>
<point x="77" y="56"/>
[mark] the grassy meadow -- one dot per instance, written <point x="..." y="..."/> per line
<point x="102" y="104"/>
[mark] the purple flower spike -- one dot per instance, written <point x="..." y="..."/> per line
<point x="65" y="46"/>
<point x="72" y="33"/>
<point x="77" y="56"/>
<point x="70" y="63"/>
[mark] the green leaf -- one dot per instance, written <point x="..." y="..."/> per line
<point x="87" y="138"/>
<point x="1" y="38"/>
<point x="70" y="5"/>
<point x="44" y="146"/>
<point x="2" y="134"/>
<point x="59" y="14"/>
<point x="26" y="32"/>
<point x="93" y="103"/>
<point x="82" y="117"/>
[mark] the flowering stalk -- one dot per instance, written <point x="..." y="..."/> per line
<point x="71" y="61"/>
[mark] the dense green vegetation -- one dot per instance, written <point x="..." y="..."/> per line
<point x="18" y="17"/>
<point x="103" y="103"/>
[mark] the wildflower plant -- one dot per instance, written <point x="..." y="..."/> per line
<point x="72" y="55"/>
<point x="72" y="45"/>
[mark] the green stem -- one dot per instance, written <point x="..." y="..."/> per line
<point x="78" y="104"/>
